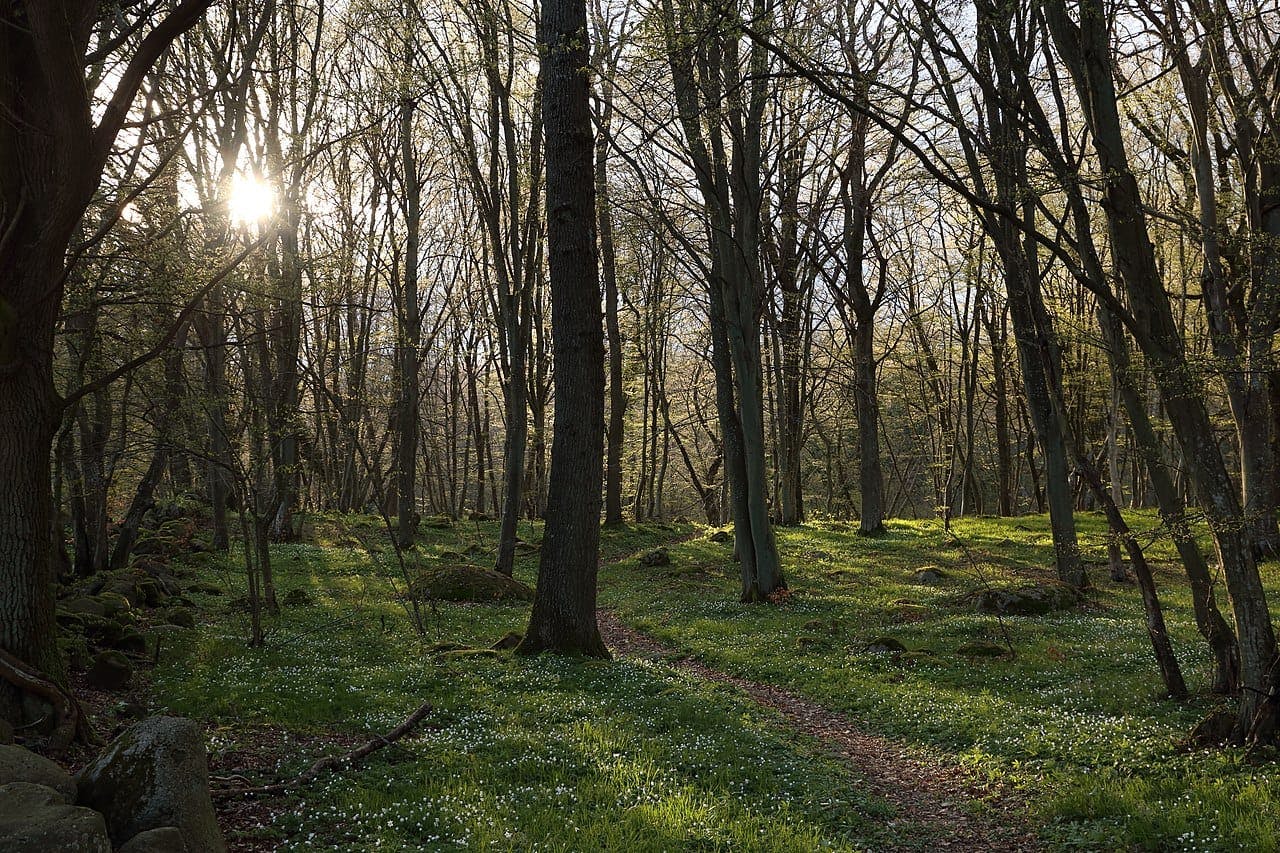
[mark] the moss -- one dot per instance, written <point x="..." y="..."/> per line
<point x="463" y="582"/>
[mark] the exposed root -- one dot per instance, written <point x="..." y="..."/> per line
<point x="71" y="724"/>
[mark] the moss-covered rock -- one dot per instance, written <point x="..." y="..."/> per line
<point x="884" y="646"/>
<point x="462" y="582"/>
<point x="1027" y="600"/>
<point x="110" y="670"/>
<point x="180" y="616"/>
<point x="22" y="765"/>
<point x="298" y="597"/>
<point x="154" y="775"/>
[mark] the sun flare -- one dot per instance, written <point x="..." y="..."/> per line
<point x="251" y="200"/>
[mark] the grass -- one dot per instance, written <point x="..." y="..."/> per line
<point x="552" y="754"/>
<point x="1075" y="717"/>
<point x="542" y="754"/>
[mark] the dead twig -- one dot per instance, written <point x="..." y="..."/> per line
<point x="330" y="762"/>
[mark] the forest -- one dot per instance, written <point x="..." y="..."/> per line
<point x="639" y="425"/>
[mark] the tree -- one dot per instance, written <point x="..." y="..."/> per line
<point x="52" y="155"/>
<point x="564" y="607"/>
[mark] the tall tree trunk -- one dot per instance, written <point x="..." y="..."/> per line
<point x="564" y="607"/>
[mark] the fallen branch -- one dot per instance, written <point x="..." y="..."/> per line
<point x="330" y="762"/>
<point x="71" y="723"/>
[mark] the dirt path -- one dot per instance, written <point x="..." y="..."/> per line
<point x="927" y="795"/>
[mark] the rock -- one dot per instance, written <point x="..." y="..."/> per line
<point x="884" y="646"/>
<point x="182" y="617"/>
<point x="154" y="775"/>
<point x="37" y="818"/>
<point x="929" y="576"/>
<point x="22" y="765"/>
<point x="721" y="536"/>
<point x="1026" y="601"/>
<point x="113" y="603"/>
<point x="82" y="605"/>
<point x="478" y="516"/>
<point x="982" y="649"/>
<point x="656" y="558"/>
<point x="297" y="597"/>
<point x="509" y="641"/>
<point x="461" y="582"/>
<point x="202" y="588"/>
<point x="438" y="522"/>
<point x="110" y="670"/>
<point x="163" y="839"/>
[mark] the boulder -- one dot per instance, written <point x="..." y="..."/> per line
<point x="23" y="765"/>
<point x="37" y="818"/>
<point x="654" y="559"/>
<point x="929" y="576"/>
<point x="154" y="775"/>
<point x="181" y="616"/>
<point x="204" y="588"/>
<point x="509" y="640"/>
<point x="884" y="646"/>
<point x="163" y="839"/>
<point x="462" y="582"/>
<point x="84" y="604"/>
<point x="1027" y="600"/>
<point x="110" y="670"/>
<point x="298" y="597"/>
<point x="112" y="603"/>
<point x="721" y="536"/>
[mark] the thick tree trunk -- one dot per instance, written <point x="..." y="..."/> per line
<point x="564" y="607"/>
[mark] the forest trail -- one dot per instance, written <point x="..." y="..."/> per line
<point x="925" y="794"/>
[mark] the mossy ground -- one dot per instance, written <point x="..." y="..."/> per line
<point x="554" y="754"/>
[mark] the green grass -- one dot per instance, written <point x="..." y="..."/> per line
<point x="1075" y="717"/>
<point x="555" y="754"/>
<point x="542" y="754"/>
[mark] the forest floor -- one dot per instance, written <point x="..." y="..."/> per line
<point x="718" y="725"/>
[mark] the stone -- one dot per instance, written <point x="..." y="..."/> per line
<point x="462" y="582"/>
<point x="37" y="818"/>
<point x="297" y="597"/>
<point x="203" y="588"/>
<point x="22" y="765"/>
<point x="982" y="649"/>
<point x="162" y="839"/>
<point x="182" y="617"/>
<point x="112" y="603"/>
<point x="509" y="640"/>
<point x="82" y="605"/>
<point x="721" y="536"/>
<point x="110" y="670"/>
<point x="154" y="775"/>
<point x="654" y="559"/>
<point x="929" y="576"/>
<point x="75" y="651"/>
<point x="1026" y="601"/>
<point x="884" y="646"/>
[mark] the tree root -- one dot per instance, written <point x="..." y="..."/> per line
<point x="71" y="723"/>
<point x="330" y="762"/>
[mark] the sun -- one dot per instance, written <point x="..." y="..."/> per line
<point x="251" y="200"/>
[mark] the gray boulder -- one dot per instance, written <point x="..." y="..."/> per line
<point x="154" y="775"/>
<point x="36" y="818"/>
<point x="23" y="765"/>
<point x="1027" y="601"/>
<point x="656" y="558"/>
<point x="164" y="839"/>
